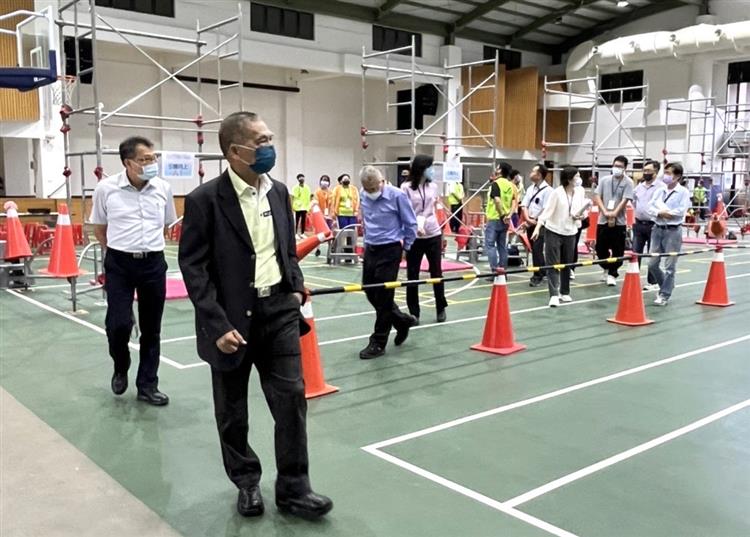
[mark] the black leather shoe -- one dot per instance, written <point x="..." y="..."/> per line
<point x="403" y="332"/>
<point x="441" y="317"/>
<point x="153" y="396"/>
<point x="250" y="502"/>
<point x="373" y="350"/>
<point x="119" y="383"/>
<point x="308" y="506"/>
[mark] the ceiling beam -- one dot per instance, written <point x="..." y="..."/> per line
<point x="630" y="16"/>
<point x="386" y="7"/>
<point x="550" y="17"/>
<point x="477" y="12"/>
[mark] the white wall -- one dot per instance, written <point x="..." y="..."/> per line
<point x="17" y="167"/>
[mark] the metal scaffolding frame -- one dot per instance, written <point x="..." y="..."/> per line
<point x="592" y="97"/>
<point x="700" y="115"/>
<point x="382" y="61"/>
<point x="223" y="49"/>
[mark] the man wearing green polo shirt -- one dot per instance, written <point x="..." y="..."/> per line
<point x="502" y="202"/>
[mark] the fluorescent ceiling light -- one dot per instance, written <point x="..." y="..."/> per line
<point x="623" y="3"/>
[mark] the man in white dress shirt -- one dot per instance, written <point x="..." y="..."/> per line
<point x="130" y="212"/>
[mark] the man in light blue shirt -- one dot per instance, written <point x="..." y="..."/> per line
<point x="390" y="228"/>
<point x="668" y="208"/>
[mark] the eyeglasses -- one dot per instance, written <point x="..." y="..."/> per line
<point x="146" y="160"/>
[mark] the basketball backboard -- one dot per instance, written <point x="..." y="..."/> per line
<point x="36" y="50"/>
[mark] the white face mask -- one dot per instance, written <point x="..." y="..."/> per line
<point x="374" y="195"/>
<point x="617" y="172"/>
<point x="578" y="180"/>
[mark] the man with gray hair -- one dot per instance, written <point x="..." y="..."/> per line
<point x="390" y="228"/>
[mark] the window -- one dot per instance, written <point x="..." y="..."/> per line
<point x="85" y="57"/>
<point x="165" y="8"/>
<point x="511" y="59"/>
<point x="389" y="38"/>
<point x="280" y="21"/>
<point x="618" y="82"/>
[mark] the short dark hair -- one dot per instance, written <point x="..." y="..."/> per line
<point x="417" y="167"/>
<point x="129" y="145"/>
<point x="567" y="174"/>
<point x="324" y="177"/>
<point x="341" y="177"/>
<point x="505" y="169"/>
<point x="676" y="168"/>
<point x="543" y="171"/>
<point x="621" y="158"/>
<point x="514" y="172"/>
<point x="654" y="163"/>
<point x="230" y="130"/>
<point x="300" y="175"/>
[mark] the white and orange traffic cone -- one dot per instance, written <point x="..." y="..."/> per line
<point x="308" y="244"/>
<point x="318" y="221"/>
<point x="630" y="310"/>
<point x="62" y="261"/>
<point x="17" y="246"/>
<point x="498" y="330"/>
<point x="312" y="369"/>
<point x="715" y="292"/>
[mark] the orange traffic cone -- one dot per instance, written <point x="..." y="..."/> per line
<point x="319" y="221"/>
<point x="62" y="261"/>
<point x="630" y="310"/>
<point x="308" y="244"/>
<point x="498" y="330"/>
<point x="312" y="370"/>
<point x="17" y="246"/>
<point x="715" y="293"/>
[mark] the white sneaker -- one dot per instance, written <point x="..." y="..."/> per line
<point x="604" y="276"/>
<point x="661" y="300"/>
<point x="572" y="274"/>
<point x="651" y="287"/>
<point x="611" y="281"/>
<point x="554" y="301"/>
<point x="566" y="298"/>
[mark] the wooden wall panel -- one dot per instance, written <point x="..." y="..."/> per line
<point x="482" y="100"/>
<point x="557" y="120"/>
<point x="520" y="121"/>
<point x="15" y="105"/>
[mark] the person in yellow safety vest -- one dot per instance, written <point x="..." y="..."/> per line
<point x="699" y="199"/>
<point x="301" y="201"/>
<point x="345" y="204"/>
<point x="502" y="202"/>
<point x="455" y="200"/>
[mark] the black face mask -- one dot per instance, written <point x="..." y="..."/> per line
<point x="345" y="183"/>
<point x="648" y="176"/>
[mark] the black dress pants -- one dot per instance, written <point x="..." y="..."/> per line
<point x="273" y="348"/>
<point x="537" y="255"/>
<point x="610" y="239"/>
<point x="381" y="265"/>
<point x="124" y="276"/>
<point x="432" y="248"/>
<point x="301" y="220"/>
<point x="457" y="213"/>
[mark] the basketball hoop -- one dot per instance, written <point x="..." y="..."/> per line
<point x="64" y="89"/>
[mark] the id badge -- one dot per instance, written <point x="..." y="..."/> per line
<point x="326" y="211"/>
<point x="348" y="204"/>
<point x="611" y="205"/>
<point x="420" y="223"/>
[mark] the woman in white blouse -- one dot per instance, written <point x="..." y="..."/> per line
<point x="566" y="207"/>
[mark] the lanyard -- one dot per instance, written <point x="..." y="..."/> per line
<point x="668" y="196"/>
<point x="423" y="195"/>
<point x="537" y="191"/>
<point x="570" y="203"/>
<point x="615" y="188"/>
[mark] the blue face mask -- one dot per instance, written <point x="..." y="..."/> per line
<point x="429" y="173"/>
<point x="149" y="172"/>
<point x="265" y="159"/>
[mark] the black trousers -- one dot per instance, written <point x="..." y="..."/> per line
<point x="301" y="217"/>
<point x="642" y="242"/>
<point x="456" y="214"/>
<point x="610" y="239"/>
<point x="381" y="265"/>
<point x="273" y="348"/>
<point x="558" y="249"/>
<point x="124" y="276"/>
<point x="537" y="255"/>
<point x="432" y="248"/>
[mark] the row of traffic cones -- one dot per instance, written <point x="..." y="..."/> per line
<point x="498" y="330"/>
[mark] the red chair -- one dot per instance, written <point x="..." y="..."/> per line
<point x="78" y="234"/>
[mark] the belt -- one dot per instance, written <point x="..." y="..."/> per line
<point x="265" y="292"/>
<point x="382" y="246"/>
<point x="645" y="222"/>
<point x="668" y="226"/>
<point x="136" y="255"/>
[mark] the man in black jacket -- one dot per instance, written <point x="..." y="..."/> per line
<point x="237" y="255"/>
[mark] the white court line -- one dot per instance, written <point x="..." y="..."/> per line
<point x="527" y="310"/>
<point x="88" y="325"/>
<point x="583" y="472"/>
<point x="481" y="498"/>
<point x="176" y="339"/>
<point x="553" y="394"/>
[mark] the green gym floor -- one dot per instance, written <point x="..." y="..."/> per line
<point x="595" y="430"/>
